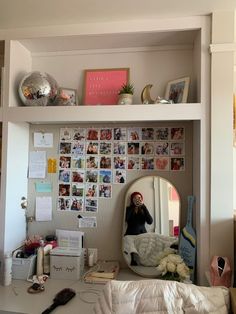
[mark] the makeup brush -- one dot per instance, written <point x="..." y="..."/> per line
<point x="61" y="298"/>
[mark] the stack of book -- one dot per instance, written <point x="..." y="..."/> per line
<point x="102" y="272"/>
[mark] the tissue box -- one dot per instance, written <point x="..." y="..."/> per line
<point x="23" y="268"/>
<point x="66" y="263"/>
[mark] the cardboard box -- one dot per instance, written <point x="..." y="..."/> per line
<point x="66" y="263"/>
<point x="23" y="268"/>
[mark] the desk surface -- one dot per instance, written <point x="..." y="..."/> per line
<point x="15" y="297"/>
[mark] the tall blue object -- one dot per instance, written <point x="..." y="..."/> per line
<point x="187" y="242"/>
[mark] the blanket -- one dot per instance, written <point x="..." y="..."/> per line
<point x="161" y="297"/>
<point x="147" y="246"/>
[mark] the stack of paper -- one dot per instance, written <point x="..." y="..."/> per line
<point x="102" y="272"/>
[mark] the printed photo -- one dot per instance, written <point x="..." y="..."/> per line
<point x="105" y="190"/>
<point x="119" y="148"/>
<point x="147" y="134"/>
<point x="119" y="162"/>
<point x="133" y="134"/>
<point x="91" y="205"/>
<point x="65" y="134"/>
<point x="105" y="176"/>
<point x="92" y="148"/>
<point x="162" y="134"/>
<point x="162" y="149"/>
<point x="91" y="190"/>
<point x="92" y="134"/>
<point x="64" y="176"/>
<point x="64" y="162"/>
<point x="77" y="204"/>
<point x="162" y="163"/>
<point x="105" y="148"/>
<point x="78" y="163"/>
<point x="147" y="163"/>
<point x="133" y="163"/>
<point x="78" y="148"/>
<point x="119" y="176"/>
<point x="78" y="134"/>
<point x="65" y="148"/>
<point x="177" y="164"/>
<point x="92" y="162"/>
<point x="105" y="162"/>
<point x="176" y="149"/>
<point x="177" y="133"/>
<point x="92" y="176"/>
<point x="105" y="134"/>
<point x="64" y="189"/>
<point x="147" y="148"/>
<point x="119" y="134"/>
<point x="133" y="148"/>
<point x="78" y="176"/>
<point x="63" y="203"/>
<point x="77" y="189"/>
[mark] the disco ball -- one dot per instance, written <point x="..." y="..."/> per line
<point x="38" y="89"/>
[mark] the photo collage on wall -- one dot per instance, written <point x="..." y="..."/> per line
<point x="91" y="160"/>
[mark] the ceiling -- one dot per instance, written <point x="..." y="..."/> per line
<point x="25" y="13"/>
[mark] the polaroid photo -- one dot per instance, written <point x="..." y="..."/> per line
<point x="92" y="134"/>
<point x="105" y="148"/>
<point x="63" y="203"/>
<point x="133" y="134"/>
<point x="133" y="163"/>
<point x="78" y="163"/>
<point x="105" y="162"/>
<point x="78" y="134"/>
<point x="177" y="164"/>
<point x="119" y="176"/>
<point x="64" y="189"/>
<point x="119" y="148"/>
<point x="65" y="134"/>
<point x="77" y="204"/>
<point x="77" y="189"/>
<point x="91" y="205"/>
<point x="147" y="134"/>
<point x="162" y="163"/>
<point x="92" y="148"/>
<point x="133" y="148"/>
<point x="105" y="176"/>
<point x="64" y="162"/>
<point x="64" y="176"/>
<point x="119" y="162"/>
<point x="162" y="134"/>
<point x="78" y="176"/>
<point x="105" y="190"/>
<point x="92" y="162"/>
<point x="77" y="148"/>
<point x="147" y="163"/>
<point x="119" y="134"/>
<point x="177" y="134"/>
<point x="147" y="148"/>
<point x="105" y="134"/>
<point x="65" y="148"/>
<point x="162" y="148"/>
<point x="91" y="176"/>
<point x="91" y="190"/>
<point x="177" y="149"/>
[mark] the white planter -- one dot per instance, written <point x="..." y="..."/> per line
<point x="125" y="99"/>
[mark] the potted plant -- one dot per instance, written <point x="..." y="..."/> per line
<point x="126" y="94"/>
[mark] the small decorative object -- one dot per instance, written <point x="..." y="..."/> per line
<point x="220" y="271"/>
<point x="172" y="267"/>
<point x="101" y="86"/>
<point x="177" y="90"/>
<point x="146" y="95"/>
<point x="38" y="89"/>
<point x="67" y="97"/>
<point x="126" y="94"/>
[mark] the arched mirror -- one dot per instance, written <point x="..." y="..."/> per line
<point x="151" y="223"/>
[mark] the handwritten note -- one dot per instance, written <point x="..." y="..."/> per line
<point x="37" y="164"/>
<point x="43" y="208"/>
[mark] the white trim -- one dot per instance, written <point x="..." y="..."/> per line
<point x="222" y="47"/>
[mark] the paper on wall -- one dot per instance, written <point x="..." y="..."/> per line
<point x="43" y="208"/>
<point x="43" y="139"/>
<point x="88" y="222"/>
<point x="67" y="238"/>
<point x="43" y="187"/>
<point x="37" y="164"/>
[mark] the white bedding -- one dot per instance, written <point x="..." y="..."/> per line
<point x="159" y="297"/>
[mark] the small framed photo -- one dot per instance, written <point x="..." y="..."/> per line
<point x="67" y="97"/>
<point x="101" y="86"/>
<point x="177" y="90"/>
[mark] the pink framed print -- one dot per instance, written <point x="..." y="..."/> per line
<point x="101" y="86"/>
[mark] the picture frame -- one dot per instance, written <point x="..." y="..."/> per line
<point x="67" y="97"/>
<point x="177" y="90"/>
<point x="101" y="86"/>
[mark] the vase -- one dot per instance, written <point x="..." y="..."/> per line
<point x="125" y="99"/>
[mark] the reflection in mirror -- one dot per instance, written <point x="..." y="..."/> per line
<point x="151" y="223"/>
